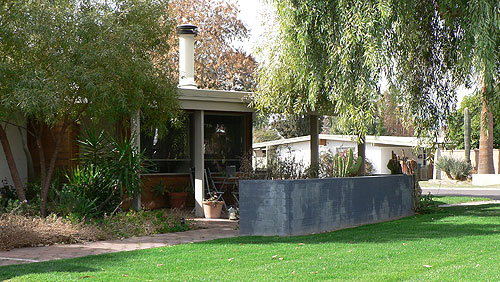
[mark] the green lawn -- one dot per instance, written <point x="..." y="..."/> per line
<point x="442" y="200"/>
<point x="451" y="244"/>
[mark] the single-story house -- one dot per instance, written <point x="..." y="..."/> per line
<point x="378" y="149"/>
<point x="216" y="133"/>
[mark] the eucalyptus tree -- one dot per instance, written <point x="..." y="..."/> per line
<point x="65" y="60"/>
<point x="322" y="59"/>
<point x="331" y="56"/>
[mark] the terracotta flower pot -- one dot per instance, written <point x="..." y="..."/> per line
<point x="212" y="209"/>
<point x="178" y="200"/>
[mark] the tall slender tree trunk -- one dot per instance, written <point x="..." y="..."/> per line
<point x="46" y="174"/>
<point x="18" y="184"/>
<point x="485" y="165"/>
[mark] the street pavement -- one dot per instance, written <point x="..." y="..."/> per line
<point x="490" y="192"/>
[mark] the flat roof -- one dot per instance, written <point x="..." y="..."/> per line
<point x="398" y="141"/>
<point x="214" y="100"/>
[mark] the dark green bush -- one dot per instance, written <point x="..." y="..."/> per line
<point x="109" y="167"/>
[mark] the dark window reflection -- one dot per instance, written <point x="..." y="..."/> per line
<point x="170" y="153"/>
<point x="224" y="141"/>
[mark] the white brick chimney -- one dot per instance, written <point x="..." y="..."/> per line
<point x="186" y="33"/>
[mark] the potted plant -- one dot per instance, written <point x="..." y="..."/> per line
<point x="212" y="207"/>
<point x="178" y="196"/>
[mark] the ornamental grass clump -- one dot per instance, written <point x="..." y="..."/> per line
<point x="457" y="169"/>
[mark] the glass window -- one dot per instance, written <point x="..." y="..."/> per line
<point x="224" y="141"/>
<point x="170" y="153"/>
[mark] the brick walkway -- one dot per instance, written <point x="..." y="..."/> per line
<point x="211" y="229"/>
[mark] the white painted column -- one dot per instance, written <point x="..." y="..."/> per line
<point x="199" y="161"/>
<point x="437" y="171"/>
<point x="135" y="130"/>
<point x="314" y="144"/>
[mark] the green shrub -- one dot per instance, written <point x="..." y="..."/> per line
<point x="457" y="169"/>
<point x="141" y="223"/>
<point x="108" y="168"/>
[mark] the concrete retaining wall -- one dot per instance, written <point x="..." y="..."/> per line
<point x="306" y="206"/>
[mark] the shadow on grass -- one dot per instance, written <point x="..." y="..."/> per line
<point x="426" y="226"/>
<point x="12" y="271"/>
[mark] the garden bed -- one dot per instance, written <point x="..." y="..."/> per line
<point x="30" y="231"/>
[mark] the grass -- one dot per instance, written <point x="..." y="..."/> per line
<point x="442" y="200"/>
<point x="450" y="244"/>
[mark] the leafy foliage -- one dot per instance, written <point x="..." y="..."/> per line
<point x="320" y="59"/>
<point x="291" y="125"/>
<point x="330" y="56"/>
<point x="455" y="125"/>
<point x="64" y="60"/>
<point x="109" y="168"/>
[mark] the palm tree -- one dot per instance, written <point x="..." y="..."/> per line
<point x="485" y="165"/>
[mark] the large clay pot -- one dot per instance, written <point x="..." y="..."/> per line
<point x="212" y="209"/>
<point x="178" y="200"/>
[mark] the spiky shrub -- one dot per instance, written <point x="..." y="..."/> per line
<point x="457" y="169"/>
<point x="109" y="171"/>
<point x="339" y="165"/>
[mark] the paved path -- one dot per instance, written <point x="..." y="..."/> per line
<point x="210" y="229"/>
<point x="492" y="193"/>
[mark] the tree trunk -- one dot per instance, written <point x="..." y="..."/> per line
<point x="485" y="165"/>
<point x="362" y="154"/>
<point x="27" y="153"/>
<point x="46" y="175"/>
<point x="18" y="184"/>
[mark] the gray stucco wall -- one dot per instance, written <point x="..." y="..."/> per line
<point x="306" y="206"/>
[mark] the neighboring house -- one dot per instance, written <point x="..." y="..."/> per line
<point x="378" y="149"/>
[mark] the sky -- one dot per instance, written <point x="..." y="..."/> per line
<point x="251" y="13"/>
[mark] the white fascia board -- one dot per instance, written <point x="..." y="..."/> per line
<point x="214" y="100"/>
<point x="281" y="142"/>
<point x="375" y="140"/>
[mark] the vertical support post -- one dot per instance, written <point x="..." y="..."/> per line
<point x="135" y="131"/>
<point x="313" y="130"/>
<point x="467" y="134"/>
<point x="437" y="171"/>
<point x="199" y="161"/>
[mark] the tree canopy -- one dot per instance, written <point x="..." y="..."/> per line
<point x="455" y="124"/>
<point x="332" y="57"/>
<point x="62" y="60"/>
